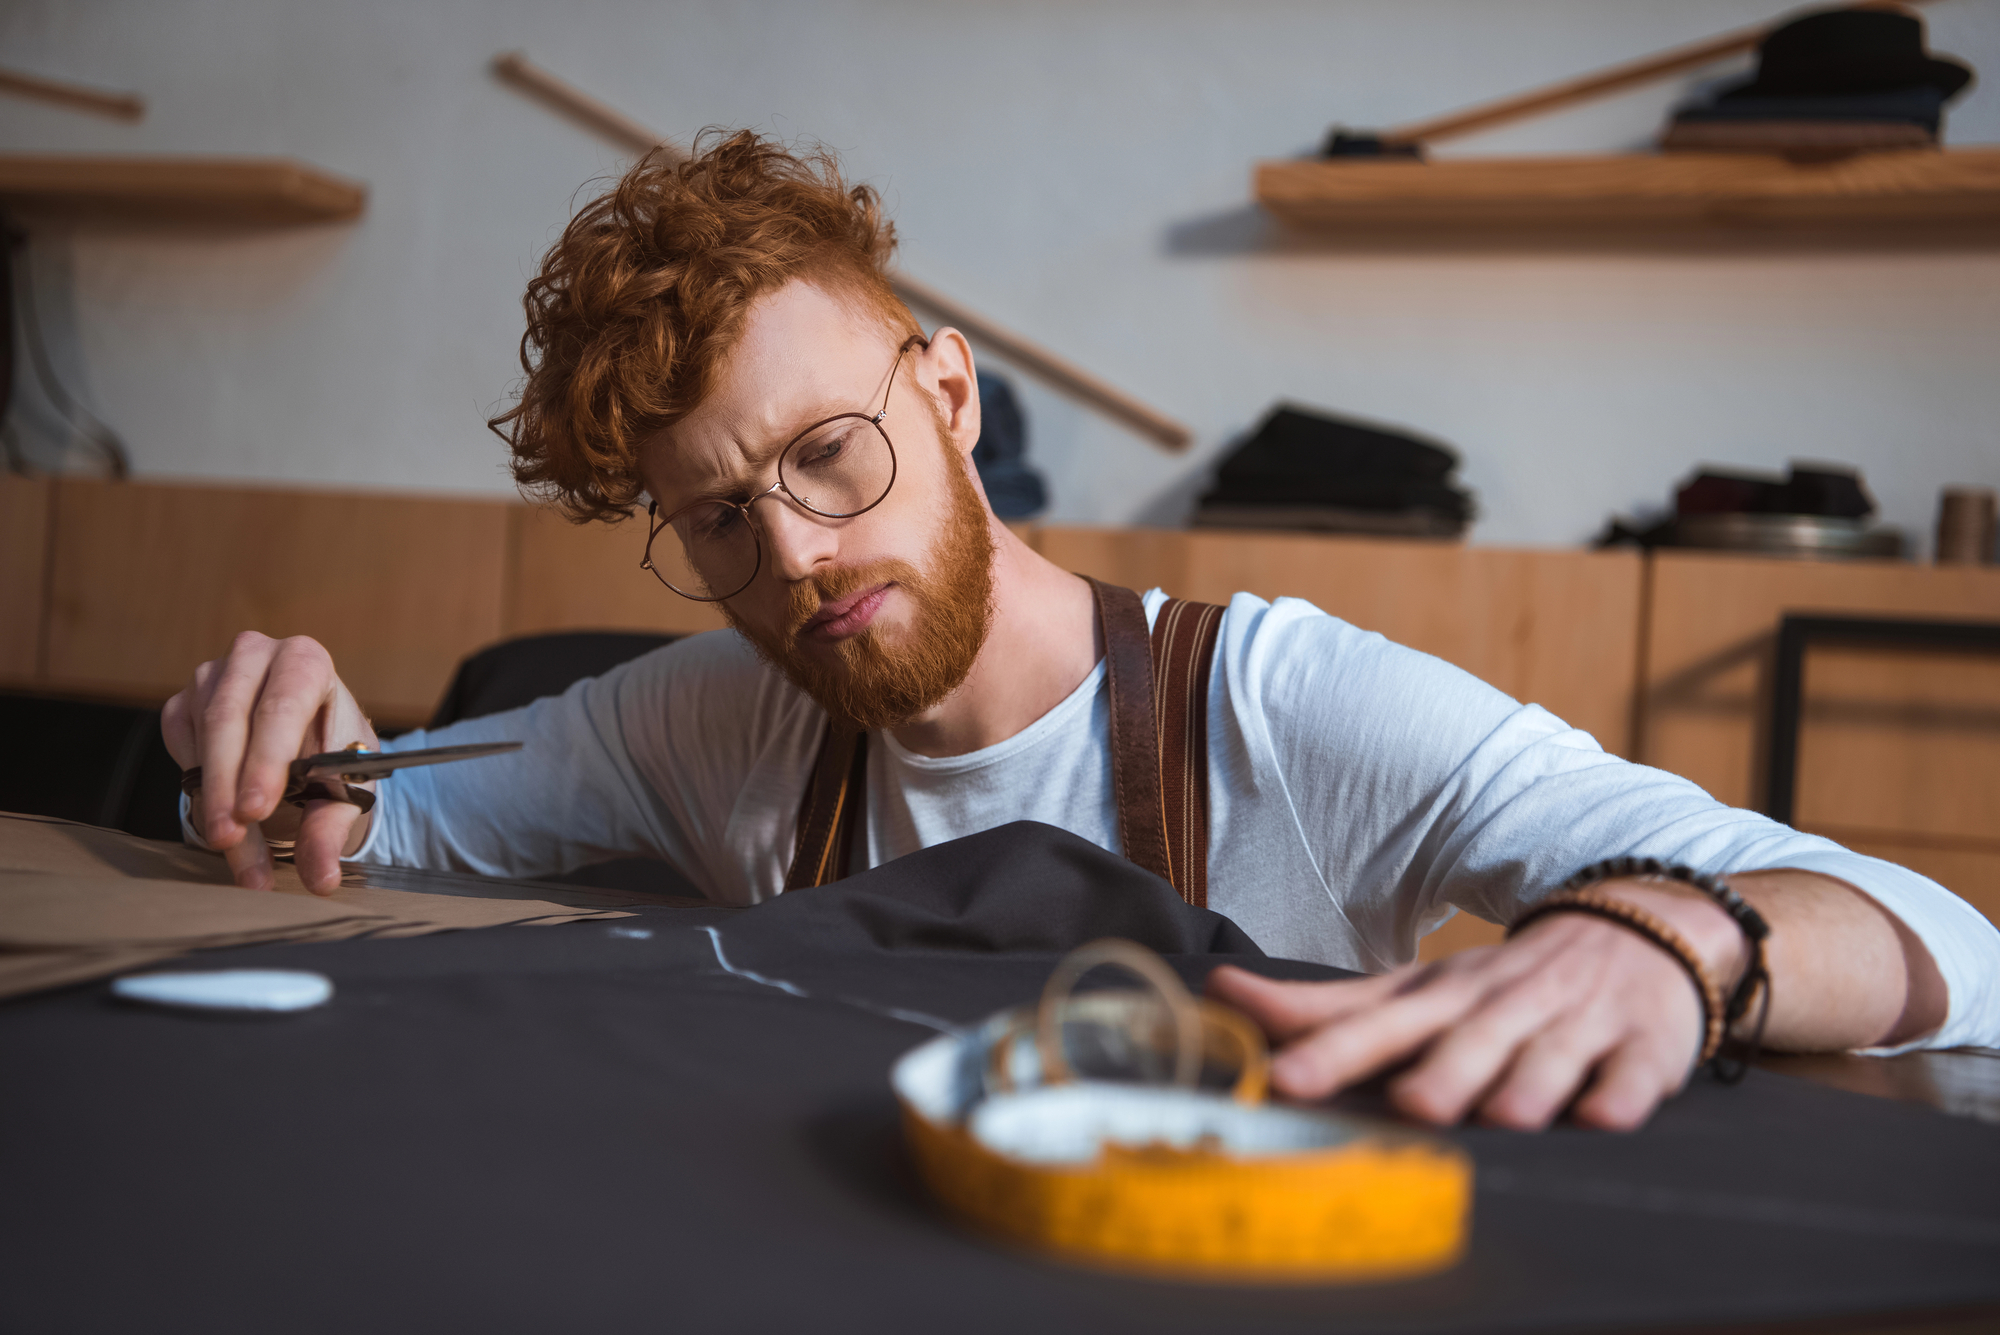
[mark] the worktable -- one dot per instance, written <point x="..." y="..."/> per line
<point x="680" y="1120"/>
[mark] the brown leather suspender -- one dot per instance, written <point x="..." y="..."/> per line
<point x="835" y="806"/>
<point x="1184" y="639"/>
<point x="1135" y="744"/>
<point x="1159" y="751"/>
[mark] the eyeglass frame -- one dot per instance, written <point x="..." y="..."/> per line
<point x="659" y="525"/>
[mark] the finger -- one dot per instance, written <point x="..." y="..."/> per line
<point x="191" y="702"/>
<point x="1350" y="1049"/>
<point x="321" y="838"/>
<point x="249" y="860"/>
<point x="1470" y="1059"/>
<point x="1630" y="1083"/>
<point x="177" y="729"/>
<point x="1547" y="1072"/>
<point x="1286" y="1009"/>
<point x="225" y="731"/>
<point x="297" y="683"/>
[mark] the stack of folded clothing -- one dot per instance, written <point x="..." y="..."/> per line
<point x="1305" y="470"/>
<point x="1827" y="85"/>
<point x="1013" y="488"/>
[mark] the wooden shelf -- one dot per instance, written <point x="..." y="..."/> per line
<point x="257" y="191"/>
<point x="1958" y="188"/>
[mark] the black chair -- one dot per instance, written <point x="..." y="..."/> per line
<point x="518" y="672"/>
<point x="102" y="764"/>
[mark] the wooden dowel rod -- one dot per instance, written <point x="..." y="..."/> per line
<point x="1590" y="86"/>
<point x="121" y="106"/>
<point x="1046" y="366"/>
<point x="613" y="124"/>
<point x="1037" y="361"/>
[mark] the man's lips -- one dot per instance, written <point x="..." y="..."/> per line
<point x="847" y="616"/>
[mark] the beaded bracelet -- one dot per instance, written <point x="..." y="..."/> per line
<point x="1756" y="975"/>
<point x="1600" y="905"/>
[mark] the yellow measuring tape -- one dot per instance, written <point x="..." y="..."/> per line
<point x="1180" y="1178"/>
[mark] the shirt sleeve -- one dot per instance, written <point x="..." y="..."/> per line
<point x="1423" y="789"/>
<point x="642" y="761"/>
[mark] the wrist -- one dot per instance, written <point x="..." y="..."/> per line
<point x="1709" y="931"/>
<point x="1653" y="899"/>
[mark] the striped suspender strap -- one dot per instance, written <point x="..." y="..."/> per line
<point x="1135" y="746"/>
<point x="834" y="808"/>
<point x="1159" y="751"/>
<point x="1184" y="639"/>
<point x="1159" y="732"/>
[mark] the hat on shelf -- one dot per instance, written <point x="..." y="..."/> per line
<point x="1838" y="52"/>
<point x="1835" y="82"/>
<point x="1818" y="511"/>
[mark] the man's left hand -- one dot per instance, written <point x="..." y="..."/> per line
<point x="1581" y="1014"/>
<point x="1515" y="1032"/>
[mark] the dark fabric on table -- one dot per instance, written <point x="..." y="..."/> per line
<point x="1024" y="886"/>
<point x="596" y="1127"/>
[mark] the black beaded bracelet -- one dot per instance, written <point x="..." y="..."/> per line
<point x="1728" y="1067"/>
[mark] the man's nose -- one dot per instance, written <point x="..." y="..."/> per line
<point x="795" y="541"/>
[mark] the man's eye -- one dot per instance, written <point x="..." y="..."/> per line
<point x="715" y="522"/>
<point x="823" y="450"/>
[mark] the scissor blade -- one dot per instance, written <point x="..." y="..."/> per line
<point x="356" y="766"/>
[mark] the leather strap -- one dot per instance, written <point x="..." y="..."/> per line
<point x="835" y="806"/>
<point x="1184" y="639"/>
<point x="1159" y="750"/>
<point x="1135" y="747"/>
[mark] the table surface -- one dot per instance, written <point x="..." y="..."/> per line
<point x="615" y="1126"/>
<point x="1964" y="1082"/>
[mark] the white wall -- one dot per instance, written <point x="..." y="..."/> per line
<point x="1077" y="170"/>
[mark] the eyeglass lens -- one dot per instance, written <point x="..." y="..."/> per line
<point x="839" y="468"/>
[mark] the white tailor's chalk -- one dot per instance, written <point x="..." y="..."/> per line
<point x="228" y="989"/>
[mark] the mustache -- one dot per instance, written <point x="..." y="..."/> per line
<point x="816" y="590"/>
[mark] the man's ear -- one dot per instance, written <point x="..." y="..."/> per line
<point x="946" y="372"/>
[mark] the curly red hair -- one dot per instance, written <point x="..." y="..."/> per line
<point x="645" y="294"/>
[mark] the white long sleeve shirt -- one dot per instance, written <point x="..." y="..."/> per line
<point x="1359" y="792"/>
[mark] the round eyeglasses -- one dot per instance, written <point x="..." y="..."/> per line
<point x="837" y="468"/>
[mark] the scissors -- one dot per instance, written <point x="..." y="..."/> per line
<point x="330" y="776"/>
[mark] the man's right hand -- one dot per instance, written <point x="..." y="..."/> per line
<point x="244" y="718"/>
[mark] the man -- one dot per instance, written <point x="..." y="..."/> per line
<point x="719" y="337"/>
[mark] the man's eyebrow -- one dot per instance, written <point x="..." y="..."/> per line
<point x="765" y="455"/>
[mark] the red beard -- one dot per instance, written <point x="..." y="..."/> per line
<point x="875" y="685"/>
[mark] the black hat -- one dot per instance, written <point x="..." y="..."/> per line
<point x="1843" y="51"/>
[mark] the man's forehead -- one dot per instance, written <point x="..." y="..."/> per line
<point x="804" y="354"/>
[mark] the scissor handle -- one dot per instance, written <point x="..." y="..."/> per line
<point x="329" y="791"/>
<point x="299" y="790"/>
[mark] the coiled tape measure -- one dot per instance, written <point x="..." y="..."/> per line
<point x="1181" y="1172"/>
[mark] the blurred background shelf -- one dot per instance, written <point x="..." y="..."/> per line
<point x="1957" y="189"/>
<point x="243" y="191"/>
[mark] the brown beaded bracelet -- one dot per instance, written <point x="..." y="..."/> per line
<point x="1727" y="1067"/>
<point x="1600" y="905"/>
